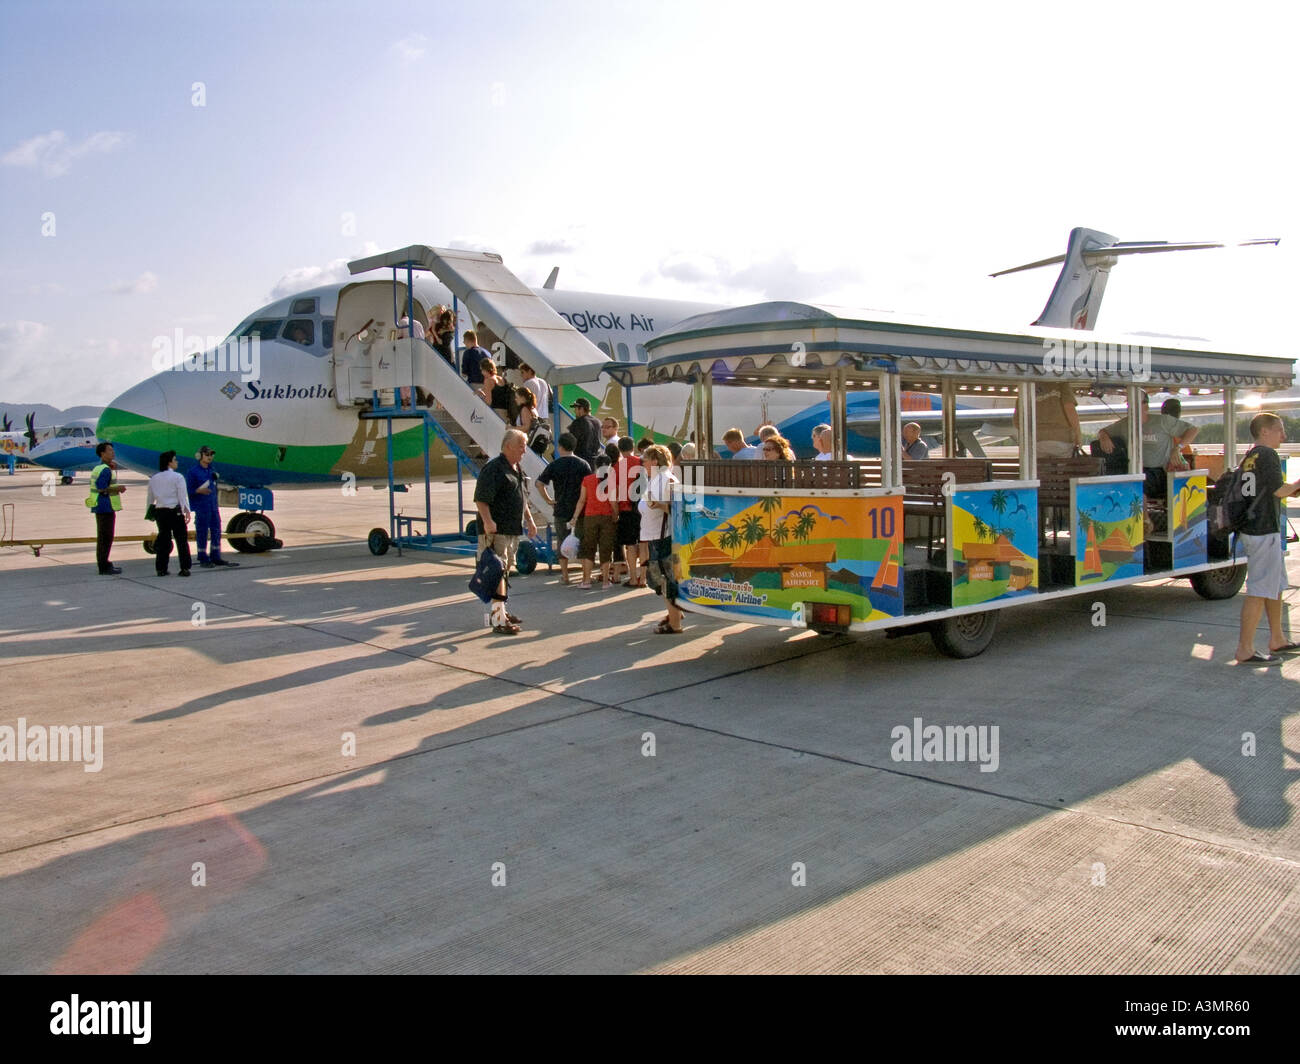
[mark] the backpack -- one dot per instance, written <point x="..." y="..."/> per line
<point x="486" y="581"/>
<point x="1232" y="506"/>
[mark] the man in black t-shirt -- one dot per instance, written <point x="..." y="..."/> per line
<point x="566" y="473"/>
<point x="586" y="432"/>
<point x="1261" y="535"/>
<point x="501" y="498"/>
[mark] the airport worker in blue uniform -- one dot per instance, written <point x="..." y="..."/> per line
<point x="201" y="481"/>
<point x="105" y="500"/>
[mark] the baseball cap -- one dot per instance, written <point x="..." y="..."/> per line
<point x="582" y="403"/>
<point x="205" y="449"/>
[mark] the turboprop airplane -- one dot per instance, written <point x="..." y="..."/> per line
<point x="67" y="449"/>
<point x="279" y="400"/>
<point x="17" y="446"/>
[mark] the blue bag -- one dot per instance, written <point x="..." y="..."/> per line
<point x="487" y="576"/>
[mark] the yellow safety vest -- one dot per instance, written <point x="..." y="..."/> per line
<point x="115" y="500"/>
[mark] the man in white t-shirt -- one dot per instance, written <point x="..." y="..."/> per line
<point x="540" y="389"/>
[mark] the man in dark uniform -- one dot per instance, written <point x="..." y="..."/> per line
<point x="105" y="500"/>
<point x="586" y="431"/>
<point x="501" y="498"/>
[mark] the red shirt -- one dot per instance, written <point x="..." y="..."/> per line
<point x="595" y="505"/>
<point x="628" y="481"/>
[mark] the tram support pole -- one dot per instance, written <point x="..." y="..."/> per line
<point x="948" y="397"/>
<point x="1028" y="429"/>
<point x="1229" y="428"/>
<point x="839" y="414"/>
<point x="1135" y="428"/>
<point x="891" y="458"/>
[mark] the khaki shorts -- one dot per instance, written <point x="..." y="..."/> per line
<point x="598" y="530"/>
<point x="505" y="547"/>
<point x="1265" y="565"/>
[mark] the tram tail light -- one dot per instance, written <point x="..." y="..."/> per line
<point x="828" y="616"/>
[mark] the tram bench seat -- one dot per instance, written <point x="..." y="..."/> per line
<point x="1054" y="476"/>
<point x="923" y="497"/>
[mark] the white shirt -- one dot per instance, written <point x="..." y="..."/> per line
<point x="542" y="391"/>
<point x="658" y="489"/>
<point x="824" y="456"/>
<point x="168" y="490"/>
<point x="403" y="323"/>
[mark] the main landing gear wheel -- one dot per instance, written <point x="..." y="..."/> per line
<point x="378" y="541"/>
<point x="260" y="533"/>
<point x="1219" y="583"/>
<point x="66" y="478"/>
<point x="966" y="635"/>
<point x="525" y="558"/>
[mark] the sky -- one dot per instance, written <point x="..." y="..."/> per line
<point x="174" y="165"/>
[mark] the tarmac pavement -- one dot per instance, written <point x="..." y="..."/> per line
<point x="323" y="762"/>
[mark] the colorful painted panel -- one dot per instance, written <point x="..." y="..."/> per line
<point x="759" y="556"/>
<point x="1187" y="517"/>
<point x="993" y="544"/>
<point x="1109" y="541"/>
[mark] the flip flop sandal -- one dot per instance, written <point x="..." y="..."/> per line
<point x="1290" y="648"/>
<point x="1261" y="659"/>
<point x="506" y="629"/>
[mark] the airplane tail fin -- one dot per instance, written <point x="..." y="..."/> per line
<point x="1087" y="261"/>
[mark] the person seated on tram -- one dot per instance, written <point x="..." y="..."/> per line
<point x="1059" y="432"/>
<point x="823" y="440"/>
<point x="914" y="448"/>
<point x="1162" y="434"/>
<point x="777" y="449"/>
<point x="735" y="443"/>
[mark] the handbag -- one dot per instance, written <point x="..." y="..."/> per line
<point x="151" y="514"/>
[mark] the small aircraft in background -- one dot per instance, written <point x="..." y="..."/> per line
<point x="17" y="446"/>
<point x="67" y="449"/>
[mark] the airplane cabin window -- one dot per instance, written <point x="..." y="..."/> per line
<point x="263" y="328"/>
<point x="303" y="306"/>
<point x="300" y="331"/>
<point x="604" y="346"/>
<point x="622" y="352"/>
<point x="642" y="355"/>
<point x="327" y="333"/>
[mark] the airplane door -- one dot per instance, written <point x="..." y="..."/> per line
<point x="363" y="324"/>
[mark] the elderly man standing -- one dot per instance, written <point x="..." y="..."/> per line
<point x="501" y="498"/>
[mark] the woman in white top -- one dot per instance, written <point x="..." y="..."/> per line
<point x="656" y="532"/>
<point x="170" y="499"/>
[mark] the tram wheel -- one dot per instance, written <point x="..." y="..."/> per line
<point x="525" y="558"/>
<point x="965" y="636"/>
<point x="378" y="541"/>
<point x="1219" y="583"/>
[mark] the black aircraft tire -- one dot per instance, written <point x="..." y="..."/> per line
<point x="148" y="545"/>
<point x="378" y="541"/>
<point x="1214" y="584"/>
<point x="966" y="635"/>
<point x="233" y="528"/>
<point x="471" y="529"/>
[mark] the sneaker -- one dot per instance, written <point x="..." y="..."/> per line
<point x="163" y="573"/>
<point x="183" y="572"/>
<point x="206" y="565"/>
<point x="228" y="565"/>
<point x="112" y="570"/>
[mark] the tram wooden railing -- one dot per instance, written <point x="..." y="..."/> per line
<point x="1054" y="476"/>
<point x="923" y="497"/>
<point x="763" y="474"/>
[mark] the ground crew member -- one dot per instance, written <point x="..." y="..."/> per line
<point x="104" y="500"/>
<point x="201" y="481"/>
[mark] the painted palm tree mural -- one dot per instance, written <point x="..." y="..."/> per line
<point x="993" y="548"/>
<point x="1189" y="532"/>
<point x="765" y="554"/>
<point x="1108" y="532"/>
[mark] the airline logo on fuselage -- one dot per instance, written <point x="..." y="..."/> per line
<point x="260" y="390"/>
<point x="586" y="320"/>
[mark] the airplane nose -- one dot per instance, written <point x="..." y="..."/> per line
<point x="137" y="425"/>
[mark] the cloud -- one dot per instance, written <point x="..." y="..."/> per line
<point x="777" y="277"/>
<point x="551" y="247"/>
<point x="142" y="285"/>
<point x="302" y="278"/>
<point x="411" y="47"/>
<point x="20" y="341"/>
<point x="54" y="154"/>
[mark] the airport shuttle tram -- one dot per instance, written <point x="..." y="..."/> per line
<point x="942" y="544"/>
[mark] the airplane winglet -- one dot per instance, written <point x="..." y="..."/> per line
<point x="550" y="281"/>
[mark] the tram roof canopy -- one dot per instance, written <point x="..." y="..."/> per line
<point x="800" y="345"/>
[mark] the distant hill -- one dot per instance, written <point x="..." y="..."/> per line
<point x="47" y="415"/>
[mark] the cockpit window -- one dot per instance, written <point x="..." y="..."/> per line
<point x="262" y="328"/>
<point x="303" y="306"/>
<point x="300" y="331"/>
<point x="327" y="333"/>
